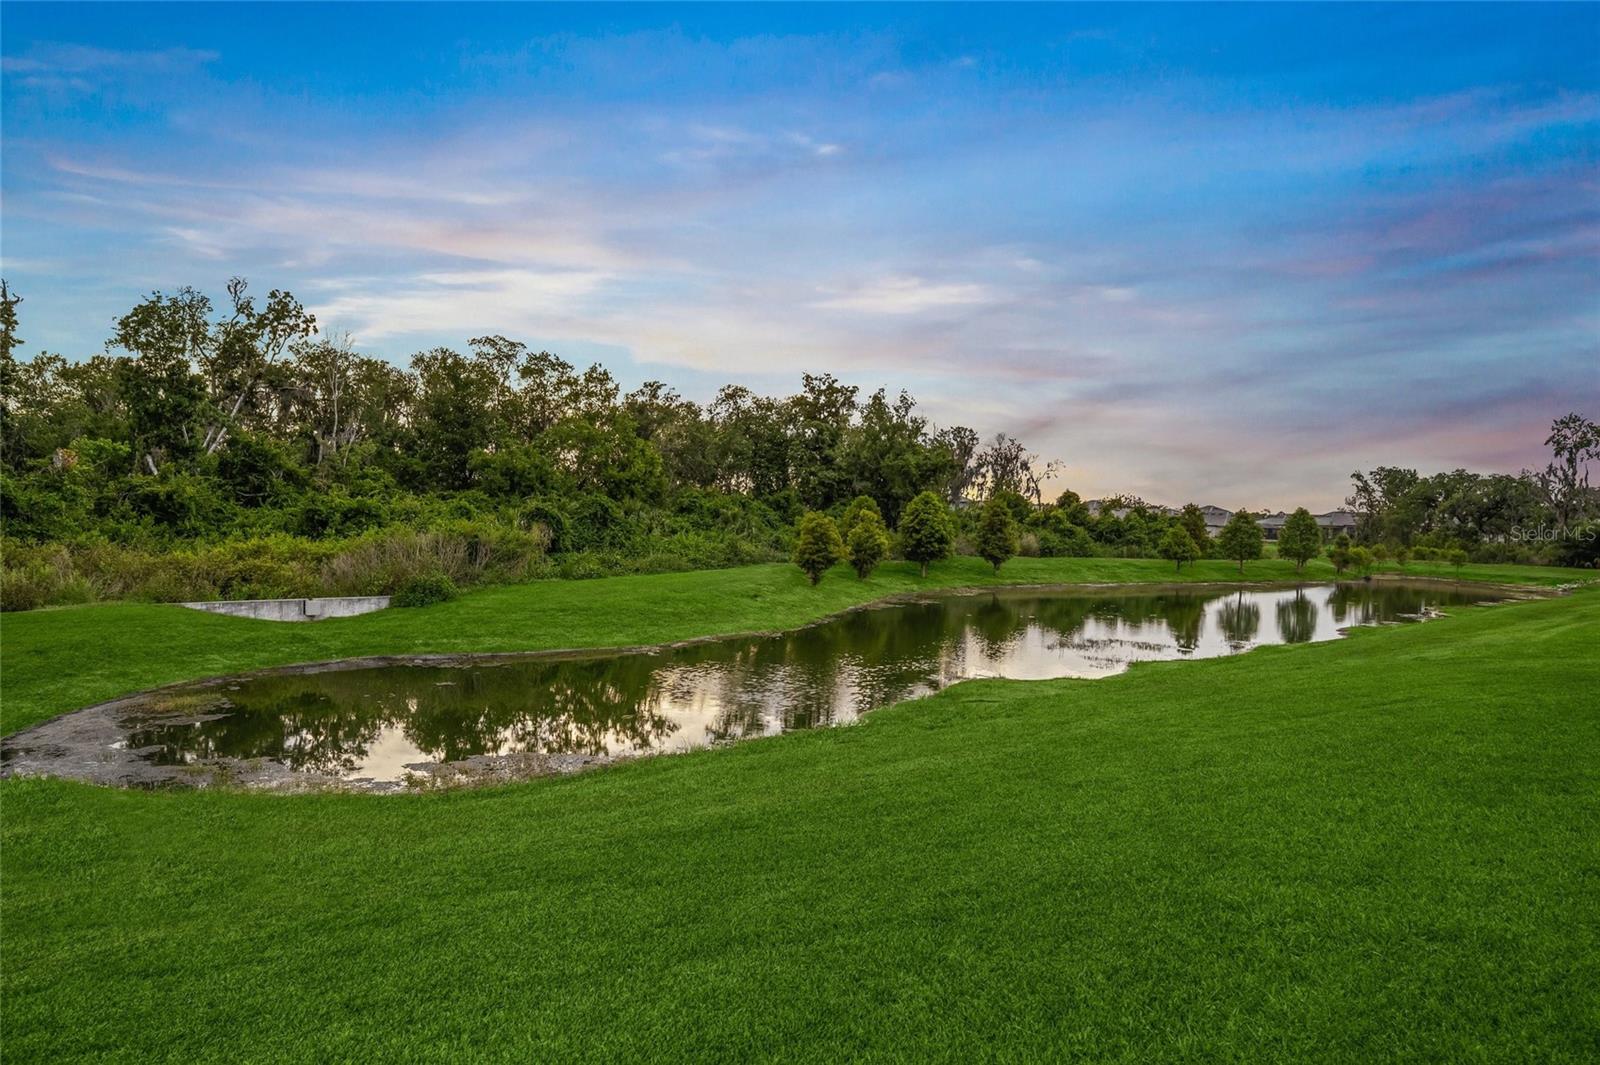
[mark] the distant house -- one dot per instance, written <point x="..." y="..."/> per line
<point x="1332" y="523"/>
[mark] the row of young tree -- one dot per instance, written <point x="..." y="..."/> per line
<point x="929" y="530"/>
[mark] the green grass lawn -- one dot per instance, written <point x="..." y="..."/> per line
<point x="52" y="661"/>
<point x="1380" y="848"/>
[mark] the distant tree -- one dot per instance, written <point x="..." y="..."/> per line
<point x="1457" y="558"/>
<point x="1240" y="539"/>
<point x="868" y="543"/>
<point x="817" y="545"/>
<point x="1575" y="442"/>
<point x="926" y="530"/>
<point x="1402" y="555"/>
<point x="997" y="532"/>
<point x="1178" y="546"/>
<point x="854" y="511"/>
<point x="1300" y="540"/>
<point x="1363" y="560"/>
<point x="1193" y="520"/>
<point x="1339" y="553"/>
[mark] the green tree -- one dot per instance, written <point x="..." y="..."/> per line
<point x="1193" y="520"/>
<point x="1240" y="539"/>
<point x="997" y="532"/>
<point x="1178" y="546"/>
<point x="926" y="530"/>
<point x="868" y="543"/>
<point x="1300" y="540"/>
<point x="817" y="545"/>
<point x="854" y="511"/>
<point x="1363" y="560"/>
<point x="1339" y="553"/>
<point x="1457" y="558"/>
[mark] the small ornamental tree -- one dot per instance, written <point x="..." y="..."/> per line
<point x="1457" y="558"/>
<point x="1339" y="553"/>
<point x="817" y="545"/>
<point x="868" y="543"/>
<point x="1240" y="539"/>
<point x="1402" y="555"/>
<point x="926" y="531"/>
<point x="1363" y="560"/>
<point x="853" y="512"/>
<point x="1300" y="540"/>
<point x="997" y="532"/>
<point x="1178" y="546"/>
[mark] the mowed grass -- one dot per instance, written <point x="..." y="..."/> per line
<point x="1380" y="848"/>
<point x="53" y="661"/>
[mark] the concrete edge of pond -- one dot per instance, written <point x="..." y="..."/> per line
<point x="1505" y="592"/>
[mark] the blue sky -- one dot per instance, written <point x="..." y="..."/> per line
<point x="1216" y="253"/>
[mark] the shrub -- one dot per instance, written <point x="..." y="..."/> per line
<point x="425" y="590"/>
<point x="21" y="591"/>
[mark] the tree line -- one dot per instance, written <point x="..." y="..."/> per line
<point x="232" y="448"/>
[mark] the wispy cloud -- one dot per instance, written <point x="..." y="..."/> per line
<point x="907" y="295"/>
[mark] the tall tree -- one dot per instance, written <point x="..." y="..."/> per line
<point x="1574" y="442"/>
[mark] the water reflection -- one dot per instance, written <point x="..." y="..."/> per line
<point x="375" y="723"/>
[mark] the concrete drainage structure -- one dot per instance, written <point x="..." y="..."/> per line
<point x="341" y="606"/>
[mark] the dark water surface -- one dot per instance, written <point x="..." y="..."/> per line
<point x="553" y="713"/>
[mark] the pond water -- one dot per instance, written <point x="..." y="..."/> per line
<point x="510" y="716"/>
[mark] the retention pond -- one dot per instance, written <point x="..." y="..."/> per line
<point x="427" y="722"/>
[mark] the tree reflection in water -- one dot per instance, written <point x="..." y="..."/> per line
<point x="1297" y="618"/>
<point x="342" y="722"/>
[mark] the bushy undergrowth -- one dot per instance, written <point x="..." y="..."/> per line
<point x="465" y="552"/>
<point x="426" y="589"/>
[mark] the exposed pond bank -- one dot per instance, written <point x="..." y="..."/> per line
<point x="393" y="722"/>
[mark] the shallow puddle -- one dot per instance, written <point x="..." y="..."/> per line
<point x="487" y="719"/>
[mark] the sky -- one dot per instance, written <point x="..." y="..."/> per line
<point x="1222" y="254"/>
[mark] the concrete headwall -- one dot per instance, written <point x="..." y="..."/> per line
<point x="343" y="606"/>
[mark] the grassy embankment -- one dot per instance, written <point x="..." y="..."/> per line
<point x="1372" y="849"/>
<point x="56" y="660"/>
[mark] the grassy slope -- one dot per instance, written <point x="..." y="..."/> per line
<point x="1381" y="848"/>
<point x="52" y="661"/>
